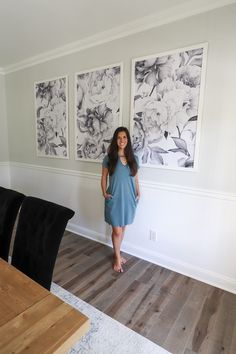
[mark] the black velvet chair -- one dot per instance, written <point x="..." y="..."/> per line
<point x="10" y="202"/>
<point x="39" y="232"/>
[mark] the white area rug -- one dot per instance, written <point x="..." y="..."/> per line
<point x="106" y="336"/>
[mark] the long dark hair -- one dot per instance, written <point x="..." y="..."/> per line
<point x="128" y="151"/>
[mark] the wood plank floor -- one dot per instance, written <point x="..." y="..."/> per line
<point x="183" y="315"/>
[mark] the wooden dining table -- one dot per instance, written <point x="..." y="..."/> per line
<point x="32" y="319"/>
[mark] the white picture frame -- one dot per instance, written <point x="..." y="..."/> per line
<point x="51" y="114"/>
<point x="166" y="107"/>
<point x="98" y="110"/>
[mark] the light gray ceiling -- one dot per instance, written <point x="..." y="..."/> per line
<point x="31" y="27"/>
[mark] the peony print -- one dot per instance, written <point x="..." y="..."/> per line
<point x="52" y="118"/>
<point x="98" y="111"/>
<point x="165" y="107"/>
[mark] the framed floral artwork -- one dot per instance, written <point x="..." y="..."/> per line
<point x="98" y="110"/>
<point x="51" y="110"/>
<point x="167" y="96"/>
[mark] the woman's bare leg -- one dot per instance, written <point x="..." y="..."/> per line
<point x="123" y="260"/>
<point x="116" y="241"/>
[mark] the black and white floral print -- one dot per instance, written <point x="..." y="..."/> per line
<point x="166" y="108"/>
<point x="97" y="111"/>
<point x="52" y="120"/>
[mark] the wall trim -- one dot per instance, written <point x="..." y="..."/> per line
<point x="4" y="163"/>
<point x="206" y="276"/>
<point x="60" y="171"/>
<point x="146" y="184"/>
<point x="175" y="13"/>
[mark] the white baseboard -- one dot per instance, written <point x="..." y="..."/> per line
<point x="206" y="276"/>
<point x="82" y="231"/>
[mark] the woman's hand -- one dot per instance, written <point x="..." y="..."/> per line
<point x="107" y="196"/>
<point x="138" y="194"/>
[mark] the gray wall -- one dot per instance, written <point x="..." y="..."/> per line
<point x="217" y="167"/>
<point x="3" y="122"/>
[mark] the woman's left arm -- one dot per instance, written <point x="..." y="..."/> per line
<point x="137" y="186"/>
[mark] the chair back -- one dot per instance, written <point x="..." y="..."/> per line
<point x="10" y="202"/>
<point x="39" y="232"/>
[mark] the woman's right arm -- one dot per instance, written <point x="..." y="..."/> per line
<point x="104" y="182"/>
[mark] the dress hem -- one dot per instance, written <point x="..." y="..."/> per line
<point x="119" y="225"/>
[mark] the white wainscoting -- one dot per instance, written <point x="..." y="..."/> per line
<point x="196" y="229"/>
<point x="4" y="174"/>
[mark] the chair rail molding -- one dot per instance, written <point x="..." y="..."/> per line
<point x="147" y="184"/>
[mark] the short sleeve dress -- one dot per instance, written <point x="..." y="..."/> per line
<point x="120" y="208"/>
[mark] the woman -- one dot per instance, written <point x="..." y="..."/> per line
<point x="123" y="193"/>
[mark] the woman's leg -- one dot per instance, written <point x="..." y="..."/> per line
<point x="116" y="241"/>
<point x="123" y="260"/>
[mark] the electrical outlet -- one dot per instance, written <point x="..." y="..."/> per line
<point x="153" y="235"/>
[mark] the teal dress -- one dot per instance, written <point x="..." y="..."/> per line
<point x="120" y="208"/>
